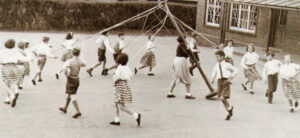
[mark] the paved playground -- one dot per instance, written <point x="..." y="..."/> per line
<point x="36" y="113"/>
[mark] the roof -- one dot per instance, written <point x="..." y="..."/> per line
<point x="278" y="4"/>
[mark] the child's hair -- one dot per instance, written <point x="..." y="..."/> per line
<point x="121" y="34"/>
<point x="105" y="32"/>
<point x="10" y="43"/>
<point x="247" y="47"/>
<point x="46" y="39"/>
<point x="69" y="36"/>
<point x="180" y="39"/>
<point x="229" y="41"/>
<point x="21" y="44"/>
<point x="76" y="52"/>
<point x="270" y="53"/>
<point x="220" y="53"/>
<point x="149" y="37"/>
<point x="122" y="59"/>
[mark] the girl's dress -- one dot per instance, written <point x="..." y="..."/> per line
<point x="121" y="88"/>
<point x="290" y="83"/>
<point x="148" y="58"/>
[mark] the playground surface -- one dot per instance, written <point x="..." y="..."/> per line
<point x="36" y="113"/>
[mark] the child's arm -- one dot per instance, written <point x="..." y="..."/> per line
<point x="214" y="74"/>
<point x="243" y="64"/>
<point x="264" y="73"/>
<point x="107" y="45"/>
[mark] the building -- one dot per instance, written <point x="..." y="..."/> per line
<point x="266" y="23"/>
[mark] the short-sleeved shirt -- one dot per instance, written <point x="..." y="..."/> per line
<point x="74" y="64"/>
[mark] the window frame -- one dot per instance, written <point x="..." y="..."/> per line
<point x="212" y="24"/>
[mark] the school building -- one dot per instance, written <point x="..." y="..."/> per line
<point x="266" y="23"/>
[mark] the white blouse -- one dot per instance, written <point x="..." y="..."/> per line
<point x="11" y="56"/>
<point x="68" y="44"/>
<point x="228" y="71"/>
<point x="271" y="67"/>
<point x="43" y="49"/>
<point x="228" y="50"/>
<point x="249" y="59"/>
<point x="122" y="73"/>
<point x="287" y="71"/>
<point x="150" y="46"/>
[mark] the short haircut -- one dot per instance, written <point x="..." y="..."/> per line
<point x="21" y="45"/>
<point x="121" y="34"/>
<point x="76" y="52"/>
<point x="10" y="43"/>
<point x="220" y="53"/>
<point x="69" y="36"/>
<point x="180" y="39"/>
<point x="271" y="53"/>
<point x="229" y="41"/>
<point x="122" y="59"/>
<point x="105" y="32"/>
<point x="46" y="39"/>
<point x="247" y="47"/>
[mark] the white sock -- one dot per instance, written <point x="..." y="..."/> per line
<point x="117" y="119"/>
<point x="6" y="99"/>
<point x="188" y="94"/>
<point x="135" y="115"/>
<point x="170" y="93"/>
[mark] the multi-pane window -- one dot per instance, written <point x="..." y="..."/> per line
<point x="213" y="12"/>
<point x="243" y="18"/>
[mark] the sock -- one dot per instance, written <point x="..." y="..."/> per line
<point x="6" y="99"/>
<point x="188" y="94"/>
<point x="135" y="115"/>
<point x="170" y="93"/>
<point x="117" y="119"/>
<point x="75" y="103"/>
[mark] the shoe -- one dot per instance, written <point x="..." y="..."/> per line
<point x="40" y="80"/>
<point x="171" y="96"/>
<point x="104" y="72"/>
<point x="230" y="111"/>
<point x="14" y="102"/>
<point x="244" y="87"/>
<point x="135" y="71"/>
<point x="115" y="123"/>
<point x="190" y="97"/>
<point x="191" y="71"/>
<point x="89" y="71"/>
<point x="138" y="120"/>
<point x="20" y="87"/>
<point x="296" y="104"/>
<point x="251" y="92"/>
<point x="7" y="102"/>
<point x="62" y="109"/>
<point x="33" y="82"/>
<point x="292" y="110"/>
<point x="57" y="76"/>
<point x="76" y="115"/>
<point x="150" y="74"/>
<point x="228" y="117"/>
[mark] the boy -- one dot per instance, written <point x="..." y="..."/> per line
<point x="72" y="69"/>
<point x="224" y="73"/>
<point x="103" y="43"/>
<point x="270" y="72"/>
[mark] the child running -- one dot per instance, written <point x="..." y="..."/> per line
<point x="270" y="74"/>
<point x="22" y="66"/>
<point x="122" y="90"/>
<point x="290" y="83"/>
<point x="224" y="72"/>
<point x="228" y="50"/>
<point x="148" y="60"/>
<point x="194" y="48"/>
<point x="181" y="70"/>
<point x="103" y="43"/>
<point x="248" y="62"/>
<point x="72" y="70"/>
<point x="9" y="57"/>
<point x="42" y="51"/>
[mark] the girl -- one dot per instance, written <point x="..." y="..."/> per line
<point x="148" y="60"/>
<point x="228" y="50"/>
<point x="290" y="83"/>
<point x="21" y="65"/>
<point x="9" y="57"/>
<point x="248" y="62"/>
<point x="122" y="90"/>
<point x="181" y="70"/>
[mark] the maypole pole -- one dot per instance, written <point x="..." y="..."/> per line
<point x="212" y="92"/>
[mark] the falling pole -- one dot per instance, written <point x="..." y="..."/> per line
<point x="212" y="92"/>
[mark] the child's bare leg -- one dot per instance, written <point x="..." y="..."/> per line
<point x="96" y="65"/>
<point x="64" y="109"/>
<point x="104" y="64"/>
<point x="173" y="85"/>
<point x="75" y="103"/>
<point x="141" y="67"/>
<point x="188" y="94"/>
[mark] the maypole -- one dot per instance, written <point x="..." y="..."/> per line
<point x="212" y="92"/>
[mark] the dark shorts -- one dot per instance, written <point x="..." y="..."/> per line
<point x="42" y="61"/>
<point x="72" y="85"/>
<point x="101" y="54"/>
<point x="272" y="83"/>
<point x="116" y="55"/>
<point x="224" y="88"/>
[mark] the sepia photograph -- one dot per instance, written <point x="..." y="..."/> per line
<point x="149" y="68"/>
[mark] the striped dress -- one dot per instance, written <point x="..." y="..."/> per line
<point x="290" y="82"/>
<point x="121" y="88"/>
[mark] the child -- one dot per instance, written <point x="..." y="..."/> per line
<point x="221" y="46"/>
<point x="21" y="65"/>
<point x="193" y="47"/>
<point x="181" y="70"/>
<point x="290" y="83"/>
<point x="72" y="69"/>
<point x="122" y="90"/>
<point x="148" y="60"/>
<point x="228" y="50"/>
<point x="270" y="74"/>
<point x="248" y="62"/>
<point x="103" y="45"/>
<point x="118" y="49"/>
<point x="9" y="57"/>
<point x="224" y="73"/>
<point x="42" y="51"/>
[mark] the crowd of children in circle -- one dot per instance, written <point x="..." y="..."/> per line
<point x="15" y="62"/>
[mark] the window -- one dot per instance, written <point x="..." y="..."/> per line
<point x="243" y="18"/>
<point x="213" y="12"/>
